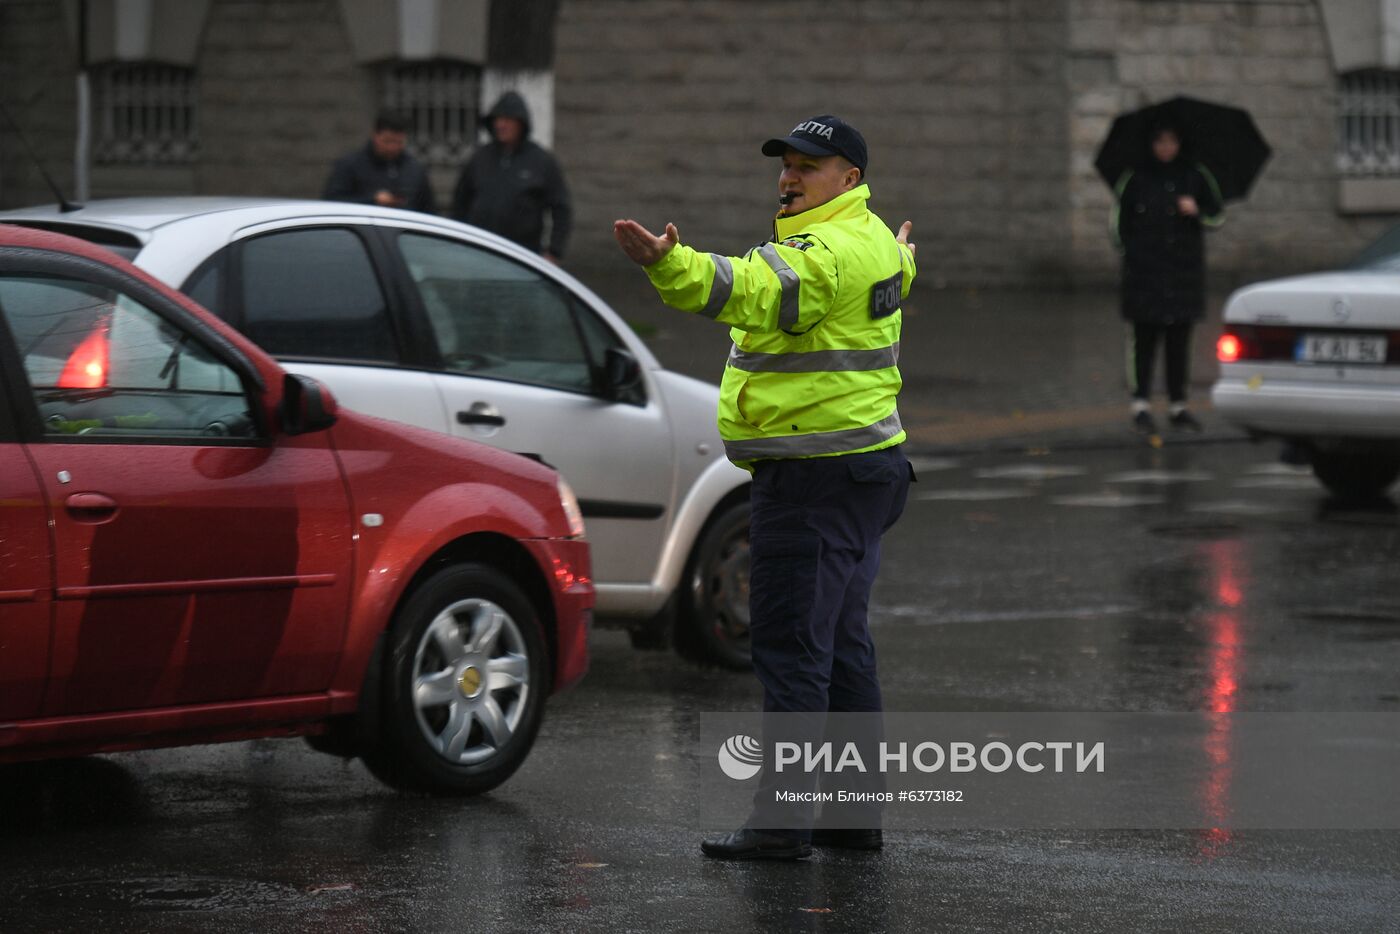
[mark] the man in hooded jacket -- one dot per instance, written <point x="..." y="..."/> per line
<point x="508" y="184"/>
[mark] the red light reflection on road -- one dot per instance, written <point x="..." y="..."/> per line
<point x="1224" y="661"/>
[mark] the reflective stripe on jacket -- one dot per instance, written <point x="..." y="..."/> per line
<point x="815" y="320"/>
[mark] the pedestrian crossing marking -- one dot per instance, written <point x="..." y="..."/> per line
<point x="976" y="494"/>
<point x="1275" y="469"/>
<point x="1111" y="500"/>
<point x="1160" y="476"/>
<point x="1029" y="472"/>
<point x="932" y="464"/>
<point x="1305" y="482"/>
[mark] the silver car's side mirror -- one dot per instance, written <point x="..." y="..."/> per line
<point x="622" y="375"/>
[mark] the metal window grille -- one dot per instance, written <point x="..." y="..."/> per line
<point x="146" y="114"/>
<point x="1369" y="124"/>
<point x="440" y="100"/>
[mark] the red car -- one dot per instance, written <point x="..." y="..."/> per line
<point x="196" y="546"/>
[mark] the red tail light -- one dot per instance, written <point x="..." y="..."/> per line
<point x="1279" y="342"/>
<point x="87" y="364"/>
<point x="1228" y="348"/>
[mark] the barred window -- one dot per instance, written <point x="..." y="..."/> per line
<point x="145" y="114"/>
<point x="440" y="100"/>
<point x="1369" y="124"/>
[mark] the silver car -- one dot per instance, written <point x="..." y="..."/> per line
<point x="1315" y="360"/>
<point x="434" y="323"/>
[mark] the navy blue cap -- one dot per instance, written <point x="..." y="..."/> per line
<point x="824" y="135"/>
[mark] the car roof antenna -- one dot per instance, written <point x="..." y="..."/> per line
<point x="64" y="205"/>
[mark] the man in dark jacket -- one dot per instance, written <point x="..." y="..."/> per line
<point x="382" y="172"/>
<point x="508" y="184"/>
<point x="1161" y="212"/>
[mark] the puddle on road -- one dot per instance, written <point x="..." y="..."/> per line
<point x="1197" y="531"/>
<point x="1378" y="515"/>
<point x="1353" y="614"/>
<point x="166" y="893"/>
<point x="920" y="615"/>
<point x="1366" y="623"/>
<point x="1237" y="507"/>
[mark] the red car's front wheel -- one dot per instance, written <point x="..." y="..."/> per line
<point x="465" y="681"/>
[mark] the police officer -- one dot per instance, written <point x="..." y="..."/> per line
<point x="807" y="403"/>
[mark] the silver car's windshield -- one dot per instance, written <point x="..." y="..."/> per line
<point x="1381" y="256"/>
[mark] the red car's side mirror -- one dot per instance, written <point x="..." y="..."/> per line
<point x="307" y="406"/>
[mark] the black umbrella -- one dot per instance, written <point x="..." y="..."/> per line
<point x="1223" y="139"/>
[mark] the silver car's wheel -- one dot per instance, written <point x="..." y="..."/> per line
<point x="465" y="675"/>
<point x="471" y="681"/>
<point x="713" y="625"/>
<point x="1356" y="475"/>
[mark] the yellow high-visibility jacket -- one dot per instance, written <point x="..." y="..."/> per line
<point x="815" y="318"/>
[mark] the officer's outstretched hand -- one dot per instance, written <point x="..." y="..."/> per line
<point x="903" y="236"/>
<point x="641" y="245"/>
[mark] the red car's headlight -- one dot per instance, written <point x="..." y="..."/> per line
<point x="569" y="501"/>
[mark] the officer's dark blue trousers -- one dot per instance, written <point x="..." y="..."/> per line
<point x="814" y="539"/>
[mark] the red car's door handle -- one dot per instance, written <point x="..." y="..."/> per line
<point x="91" y="507"/>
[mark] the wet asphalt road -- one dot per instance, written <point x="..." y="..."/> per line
<point x="1192" y="577"/>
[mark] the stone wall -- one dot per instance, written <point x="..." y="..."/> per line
<point x="662" y="106"/>
<point x="38" y="88"/>
<point x="982" y="117"/>
<point x="280" y="97"/>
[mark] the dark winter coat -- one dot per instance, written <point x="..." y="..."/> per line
<point x="359" y="175"/>
<point x="1164" y="260"/>
<point x="508" y="191"/>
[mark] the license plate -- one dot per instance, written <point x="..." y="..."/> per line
<point x="1335" y="348"/>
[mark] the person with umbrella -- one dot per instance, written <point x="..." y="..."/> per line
<point x="1172" y="166"/>
<point x="1160" y="214"/>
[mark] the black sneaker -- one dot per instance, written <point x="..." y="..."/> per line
<point x="1143" y="423"/>
<point x="1185" y="421"/>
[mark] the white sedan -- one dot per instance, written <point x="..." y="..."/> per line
<point x="1315" y="360"/>
<point x="434" y="323"/>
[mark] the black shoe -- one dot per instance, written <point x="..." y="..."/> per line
<point x="1143" y="423"/>
<point x="853" y="839"/>
<point x="1185" y="421"/>
<point x="746" y="843"/>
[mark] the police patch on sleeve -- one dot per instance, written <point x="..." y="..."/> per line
<point x="884" y="296"/>
<point x="803" y="245"/>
